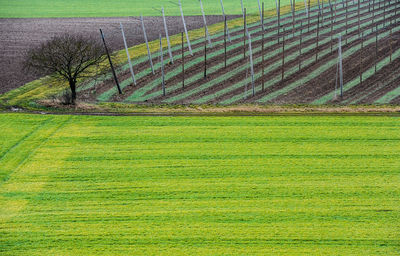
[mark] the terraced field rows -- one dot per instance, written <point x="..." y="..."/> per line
<point x="313" y="82"/>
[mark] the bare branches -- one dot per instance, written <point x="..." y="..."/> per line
<point x="67" y="57"/>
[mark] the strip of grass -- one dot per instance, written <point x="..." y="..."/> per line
<point x="110" y="8"/>
<point x="205" y="186"/>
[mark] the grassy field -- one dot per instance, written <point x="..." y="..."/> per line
<point x="111" y="8"/>
<point x="283" y="185"/>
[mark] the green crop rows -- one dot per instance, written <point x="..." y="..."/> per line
<point x="294" y="185"/>
<point x="142" y="93"/>
<point x="138" y="95"/>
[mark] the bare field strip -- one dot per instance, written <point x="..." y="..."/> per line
<point x="18" y="35"/>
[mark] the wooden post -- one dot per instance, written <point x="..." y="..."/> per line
<point x="111" y="64"/>
<point x="283" y="55"/>
<point x="225" y="27"/>
<point x="183" y="64"/>
<point x="262" y="49"/>
<point x="205" y="52"/>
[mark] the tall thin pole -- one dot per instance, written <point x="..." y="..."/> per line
<point x="300" y="44"/>
<point x="261" y="15"/>
<point x="251" y="65"/>
<point x="225" y="28"/>
<point x="205" y="52"/>
<point x="306" y="7"/>
<point x="162" y="66"/>
<point x="376" y="46"/>
<point x="244" y="33"/>
<point x="283" y="54"/>
<point x="331" y="27"/>
<point x="262" y="48"/>
<point x="347" y="17"/>
<point x="293" y="16"/>
<point x="111" y="65"/>
<point x="279" y="17"/>
<point x="391" y="48"/>
<point x="361" y="58"/>
<point x="183" y="64"/>
<point x="223" y="14"/>
<point x="358" y="14"/>
<point x="309" y="5"/>
<point x="336" y="78"/>
<point x="147" y="44"/>
<point x="341" y="66"/>
<point x="205" y="23"/>
<point x="184" y="27"/>
<point x="317" y="49"/>
<point x="241" y="3"/>
<point x="171" y="59"/>
<point x="127" y="54"/>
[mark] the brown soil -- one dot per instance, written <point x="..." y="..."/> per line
<point x="17" y="36"/>
<point x="216" y="60"/>
<point x="325" y="82"/>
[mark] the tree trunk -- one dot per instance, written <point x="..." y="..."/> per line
<point x="72" y="85"/>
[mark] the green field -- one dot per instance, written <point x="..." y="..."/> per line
<point x="115" y="8"/>
<point x="280" y="185"/>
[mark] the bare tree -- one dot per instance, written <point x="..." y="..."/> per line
<point x="68" y="58"/>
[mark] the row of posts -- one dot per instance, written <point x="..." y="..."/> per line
<point x="248" y="36"/>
